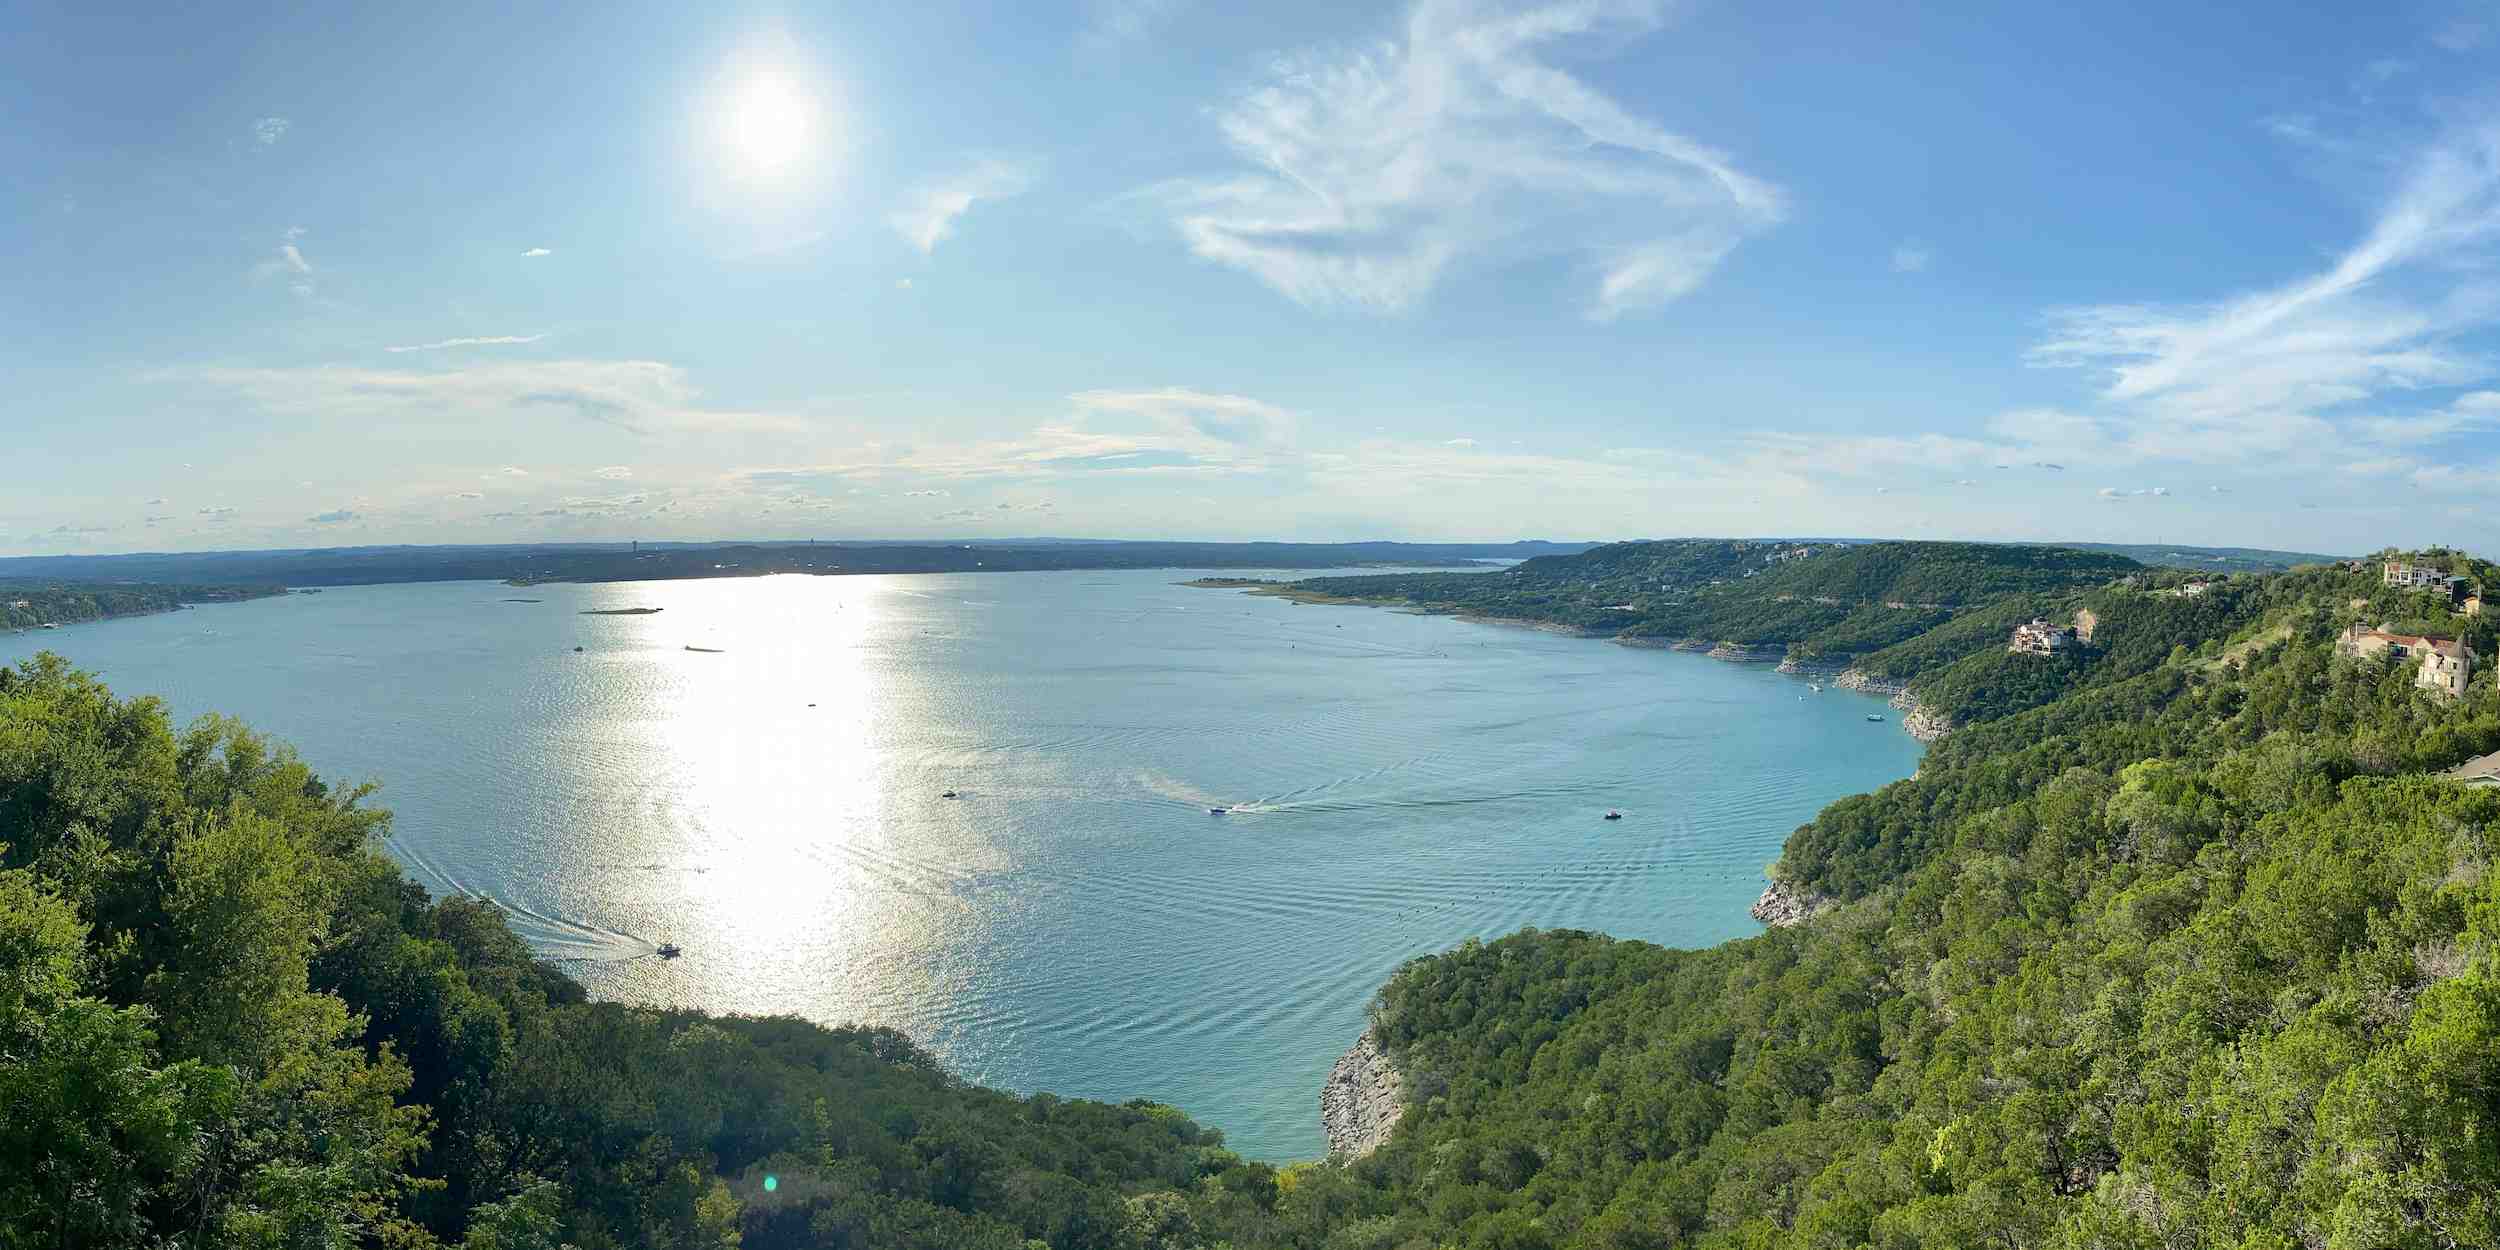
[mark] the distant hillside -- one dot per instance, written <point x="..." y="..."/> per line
<point x="29" y="604"/>
<point x="1823" y="603"/>
<point x="611" y="562"/>
<point x="2212" y="559"/>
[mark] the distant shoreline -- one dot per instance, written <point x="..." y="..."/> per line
<point x="1318" y="598"/>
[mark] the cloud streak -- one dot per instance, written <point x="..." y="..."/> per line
<point x="643" y="397"/>
<point x="1376" y="172"/>
<point x="483" y="341"/>
<point x="927" y="214"/>
<point x="2277" y="371"/>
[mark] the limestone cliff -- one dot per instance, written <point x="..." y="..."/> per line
<point x="1362" y="1100"/>
<point x="1784" y="904"/>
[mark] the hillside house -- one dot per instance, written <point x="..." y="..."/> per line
<point x="2038" y="637"/>
<point x="2405" y="576"/>
<point x="2086" y="620"/>
<point x="2447" y="663"/>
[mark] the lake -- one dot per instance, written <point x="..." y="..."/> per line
<point x="1075" y="921"/>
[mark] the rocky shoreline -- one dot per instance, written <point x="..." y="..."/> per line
<point x="1916" y="720"/>
<point x="1363" y="1099"/>
<point x="1743" y="653"/>
<point x="1783" y="905"/>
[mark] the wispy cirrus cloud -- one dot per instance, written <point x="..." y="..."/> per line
<point x="491" y="340"/>
<point x="538" y="251"/>
<point x="1375" y="172"/>
<point x="2279" y="371"/>
<point x="927" y="214"/>
<point x="1112" y="23"/>
<point x="643" y="397"/>
<point x="268" y="130"/>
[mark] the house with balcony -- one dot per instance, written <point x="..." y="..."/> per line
<point x="2447" y="663"/>
<point x="2038" y="637"/>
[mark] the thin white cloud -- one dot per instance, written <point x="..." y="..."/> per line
<point x="338" y="517"/>
<point x="1112" y="23"/>
<point x="1375" y="172"/>
<point x="1236" y="421"/>
<point x="927" y="214"/>
<point x="637" y="396"/>
<point x="511" y="470"/>
<point x="2273" y="372"/>
<point x="1458" y="442"/>
<point x="293" y="259"/>
<point x="483" y="341"/>
<point x="1911" y="257"/>
<point x="2462" y="35"/>
<point x="614" y="473"/>
<point x="269" y="130"/>
<point x="538" y="251"/>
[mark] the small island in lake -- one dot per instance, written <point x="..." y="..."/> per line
<point x="618" y="611"/>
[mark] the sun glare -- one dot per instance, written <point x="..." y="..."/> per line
<point x="770" y="123"/>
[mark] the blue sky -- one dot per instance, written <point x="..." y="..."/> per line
<point x="1149" y="268"/>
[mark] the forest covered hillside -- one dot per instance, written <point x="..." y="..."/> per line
<point x="33" y="604"/>
<point x="1839" y="599"/>
<point x="2203" y="955"/>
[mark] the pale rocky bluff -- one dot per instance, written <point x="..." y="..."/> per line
<point x="1362" y="1100"/>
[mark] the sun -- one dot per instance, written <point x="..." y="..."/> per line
<point x="769" y="124"/>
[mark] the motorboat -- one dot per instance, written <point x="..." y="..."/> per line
<point x="669" y="950"/>
<point x="1217" y="811"/>
<point x="1612" y="814"/>
<point x="948" y="795"/>
<point x="1873" y="717"/>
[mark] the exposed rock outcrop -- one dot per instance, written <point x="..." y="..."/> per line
<point x="1743" y="653"/>
<point x="1362" y="1100"/>
<point x="1920" y="722"/>
<point x="1827" y="669"/>
<point x="1856" y="679"/>
<point x="1784" y="904"/>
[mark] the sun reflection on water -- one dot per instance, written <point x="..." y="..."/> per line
<point x="776" y="736"/>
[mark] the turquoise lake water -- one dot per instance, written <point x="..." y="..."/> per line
<point x="1076" y="921"/>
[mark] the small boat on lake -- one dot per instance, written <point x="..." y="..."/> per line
<point x="1217" y="811"/>
<point x="1612" y="814"/>
<point x="704" y="650"/>
<point x="1873" y="717"/>
<point x="948" y="795"/>
<point x="669" y="950"/>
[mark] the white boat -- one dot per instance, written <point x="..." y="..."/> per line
<point x="1873" y="717"/>
<point x="1217" y="811"/>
